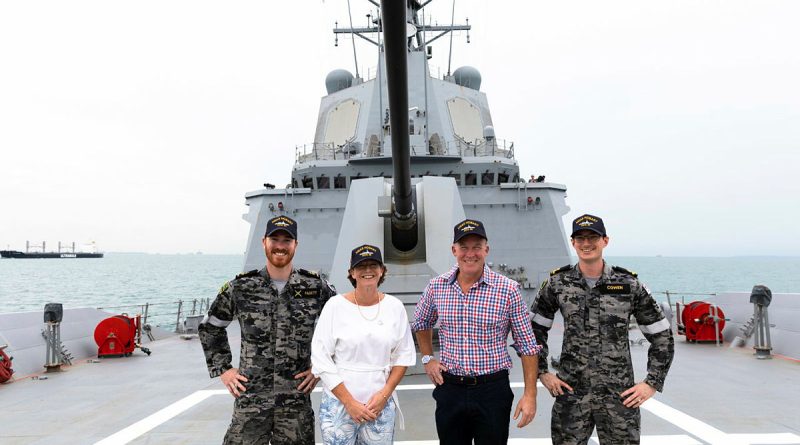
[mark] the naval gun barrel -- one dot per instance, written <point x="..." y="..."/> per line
<point x="404" y="218"/>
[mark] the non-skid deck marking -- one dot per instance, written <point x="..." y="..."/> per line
<point x="678" y="418"/>
<point x="768" y="439"/>
<point x="148" y="423"/>
<point x="689" y="424"/>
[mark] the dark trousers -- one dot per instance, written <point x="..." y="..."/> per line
<point x="481" y="412"/>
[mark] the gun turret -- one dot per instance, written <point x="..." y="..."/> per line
<point x="404" y="216"/>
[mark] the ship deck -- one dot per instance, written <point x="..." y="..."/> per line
<point x="713" y="395"/>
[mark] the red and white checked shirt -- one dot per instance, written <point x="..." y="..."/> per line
<point x="473" y="328"/>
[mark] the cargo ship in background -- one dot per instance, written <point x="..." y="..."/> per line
<point x="64" y="251"/>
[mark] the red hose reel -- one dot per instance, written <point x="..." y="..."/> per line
<point x="119" y="336"/>
<point x="5" y="365"/>
<point x="702" y="321"/>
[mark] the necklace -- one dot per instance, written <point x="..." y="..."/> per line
<point x="358" y="305"/>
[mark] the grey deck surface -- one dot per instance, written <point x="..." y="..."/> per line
<point x="725" y="393"/>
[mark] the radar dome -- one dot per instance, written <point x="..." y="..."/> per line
<point x="468" y="76"/>
<point x="488" y="132"/>
<point x="338" y="80"/>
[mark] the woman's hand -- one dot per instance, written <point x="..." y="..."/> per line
<point x="359" y="412"/>
<point x="377" y="402"/>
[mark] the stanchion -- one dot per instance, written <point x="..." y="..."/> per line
<point x="761" y="297"/>
<point x="53" y="314"/>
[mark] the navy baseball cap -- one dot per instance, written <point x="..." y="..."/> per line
<point x="284" y="223"/>
<point x="588" y="222"/>
<point x="469" y="227"/>
<point x="363" y="253"/>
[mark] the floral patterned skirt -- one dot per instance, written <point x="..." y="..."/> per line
<point x="338" y="428"/>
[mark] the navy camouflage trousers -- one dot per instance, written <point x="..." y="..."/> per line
<point x="252" y="424"/>
<point x="576" y="414"/>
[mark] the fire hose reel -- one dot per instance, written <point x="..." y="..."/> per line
<point x="5" y="365"/>
<point x="119" y="336"/>
<point x="702" y="322"/>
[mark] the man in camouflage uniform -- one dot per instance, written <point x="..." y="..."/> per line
<point x="596" y="301"/>
<point x="276" y="308"/>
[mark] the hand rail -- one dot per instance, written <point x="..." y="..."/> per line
<point x="161" y="318"/>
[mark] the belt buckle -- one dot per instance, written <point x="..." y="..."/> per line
<point x="469" y="380"/>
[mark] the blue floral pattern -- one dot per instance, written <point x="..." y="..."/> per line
<point x="338" y="428"/>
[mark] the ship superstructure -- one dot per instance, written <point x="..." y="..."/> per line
<point x="340" y="191"/>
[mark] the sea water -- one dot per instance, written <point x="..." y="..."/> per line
<point x="118" y="283"/>
<point x="124" y="282"/>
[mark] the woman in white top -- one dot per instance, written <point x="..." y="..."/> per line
<point x="361" y="348"/>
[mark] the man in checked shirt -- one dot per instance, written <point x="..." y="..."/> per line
<point x="476" y="308"/>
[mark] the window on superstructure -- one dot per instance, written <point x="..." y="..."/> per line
<point x="502" y="177"/>
<point x="340" y="182"/>
<point x="323" y="182"/>
<point x="308" y="182"/>
<point x="487" y="178"/>
<point x="471" y="179"/>
<point x="455" y="176"/>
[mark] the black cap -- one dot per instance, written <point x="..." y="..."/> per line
<point x="365" y="252"/>
<point x="284" y="223"/>
<point x="588" y="222"/>
<point x="468" y="227"/>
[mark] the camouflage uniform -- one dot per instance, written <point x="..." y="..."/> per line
<point x="595" y="355"/>
<point x="276" y="345"/>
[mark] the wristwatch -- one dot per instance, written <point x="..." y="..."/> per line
<point x="426" y="359"/>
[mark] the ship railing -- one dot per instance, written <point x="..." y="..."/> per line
<point x="317" y="151"/>
<point x="167" y="315"/>
<point x="670" y="294"/>
<point x="435" y="71"/>
<point x="482" y="147"/>
<point x="455" y="148"/>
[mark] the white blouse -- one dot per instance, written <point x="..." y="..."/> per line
<point x="360" y="348"/>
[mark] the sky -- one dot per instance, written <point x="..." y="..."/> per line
<point x="141" y="125"/>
